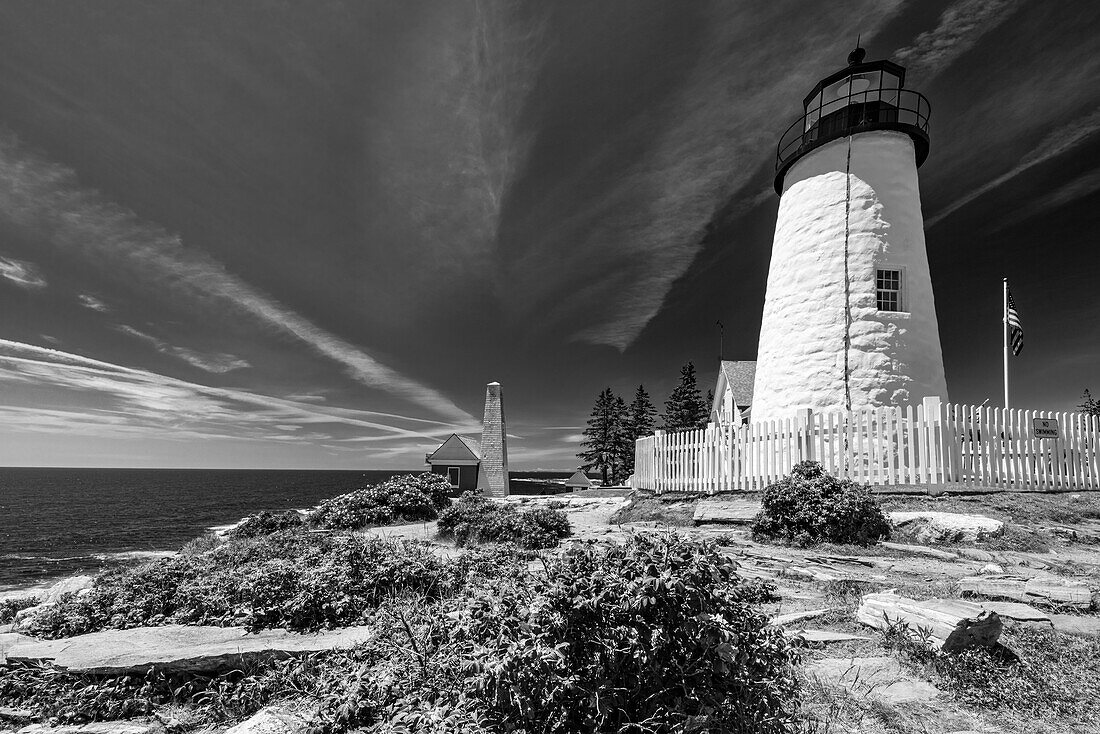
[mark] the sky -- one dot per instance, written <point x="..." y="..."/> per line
<point x="284" y="234"/>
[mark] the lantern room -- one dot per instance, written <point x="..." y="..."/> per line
<point x="866" y="95"/>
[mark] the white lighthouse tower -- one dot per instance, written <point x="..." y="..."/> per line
<point x="849" y="319"/>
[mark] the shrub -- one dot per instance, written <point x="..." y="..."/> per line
<point x="475" y="519"/>
<point x="266" y="523"/>
<point x="657" y="635"/>
<point x="409" y="498"/>
<point x="415" y="496"/>
<point x="291" y="579"/>
<point x="11" y="606"/>
<point x="810" y="506"/>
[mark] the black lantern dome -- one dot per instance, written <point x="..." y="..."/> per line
<point x="860" y="97"/>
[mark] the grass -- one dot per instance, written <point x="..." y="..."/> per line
<point x="1032" y="508"/>
<point x="666" y="509"/>
<point x="1013" y="538"/>
<point x="1039" y="674"/>
<point x="1053" y="688"/>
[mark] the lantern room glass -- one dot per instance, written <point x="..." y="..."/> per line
<point x="855" y="89"/>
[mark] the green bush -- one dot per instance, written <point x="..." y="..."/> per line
<point x="475" y="519"/>
<point x="11" y="606"/>
<point x="409" y="498"/>
<point x="657" y="635"/>
<point x="266" y="523"/>
<point x="292" y="579"/>
<point x="810" y="506"/>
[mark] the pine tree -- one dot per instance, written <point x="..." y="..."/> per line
<point x="643" y="415"/>
<point x="685" y="409"/>
<point x="602" y="442"/>
<point x="622" y="460"/>
<point x="1090" y="406"/>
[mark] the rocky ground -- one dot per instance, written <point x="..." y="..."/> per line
<point x="1032" y="561"/>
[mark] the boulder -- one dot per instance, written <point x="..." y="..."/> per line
<point x="71" y="585"/>
<point x="271" y="720"/>
<point x="939" y="527"/>
<point x="179" y="648"/>
<point x="876" y="677"/>
<point x="734" y="511"/>
<point x="950" y="624"/>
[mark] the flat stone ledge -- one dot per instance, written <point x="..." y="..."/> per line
<point x="877" y="677"/>
<point x="96" y="727"/>
<point x="1072" y="624"/>
<point x="178" y="648"/>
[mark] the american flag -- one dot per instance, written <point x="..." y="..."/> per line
<point x="1015" y="329"/>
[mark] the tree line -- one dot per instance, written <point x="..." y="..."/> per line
<point x="614" y="426"/>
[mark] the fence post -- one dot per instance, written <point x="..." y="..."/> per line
<point x="933" y="418"/>
<point x="804" y="426"/>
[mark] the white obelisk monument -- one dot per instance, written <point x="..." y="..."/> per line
<point x="492" y="477"/>
<point x="849" y="318"/>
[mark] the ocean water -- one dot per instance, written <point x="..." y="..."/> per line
<point x="61" y="522"/>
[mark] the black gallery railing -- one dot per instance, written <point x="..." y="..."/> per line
<point x="899" y="109"/>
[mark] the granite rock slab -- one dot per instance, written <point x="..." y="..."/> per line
<point x="934" y="527"/>
<point x="271" y="720"/>
<point x="96" y="727"/>
<point x="179" y="648"/>
<point x="1072" y="624"/>
<point x="877" y="677"/>
<point x="734" y="511"/>
<point x="9" y="640"/>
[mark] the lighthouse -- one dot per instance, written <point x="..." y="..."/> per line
<point x="849" y="318"/>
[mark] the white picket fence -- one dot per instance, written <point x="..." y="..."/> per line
<point x="932" y="443"/>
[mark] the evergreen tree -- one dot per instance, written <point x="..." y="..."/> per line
<point x="685" y="409"/>
<point x="603" y="438"/>
<point x="1090" y="406"/>
<point x="622" y="461"/>
<point x="643" y="415"/>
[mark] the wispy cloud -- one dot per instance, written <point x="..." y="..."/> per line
<point x="110" y="399"/>
<point x="93" y="303"/>
<point x="448" y="141"/>
<point x="22" y="273"/>
<point x="621" y="250"/>
<point x="213" y="363"/>
<point x="960" y="27"/>
<point x="1078" y="188"/>
<point x="43" y="196"/>
<point x="1057" y="143"/>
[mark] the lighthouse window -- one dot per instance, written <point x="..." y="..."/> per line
<point x="888" y="290"/>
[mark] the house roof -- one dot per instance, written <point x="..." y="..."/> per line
<point x="579" y="480"/>
<point x="456" y="448"/>
<point x="739" y="376"/>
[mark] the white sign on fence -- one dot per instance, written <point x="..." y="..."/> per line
<point x="1044" y="428"/>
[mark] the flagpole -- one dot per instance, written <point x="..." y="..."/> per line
<point x="1004" y="336"/>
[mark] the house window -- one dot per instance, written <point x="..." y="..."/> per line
<point x="888" y="290"/>
<point x="452" y="475"/>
